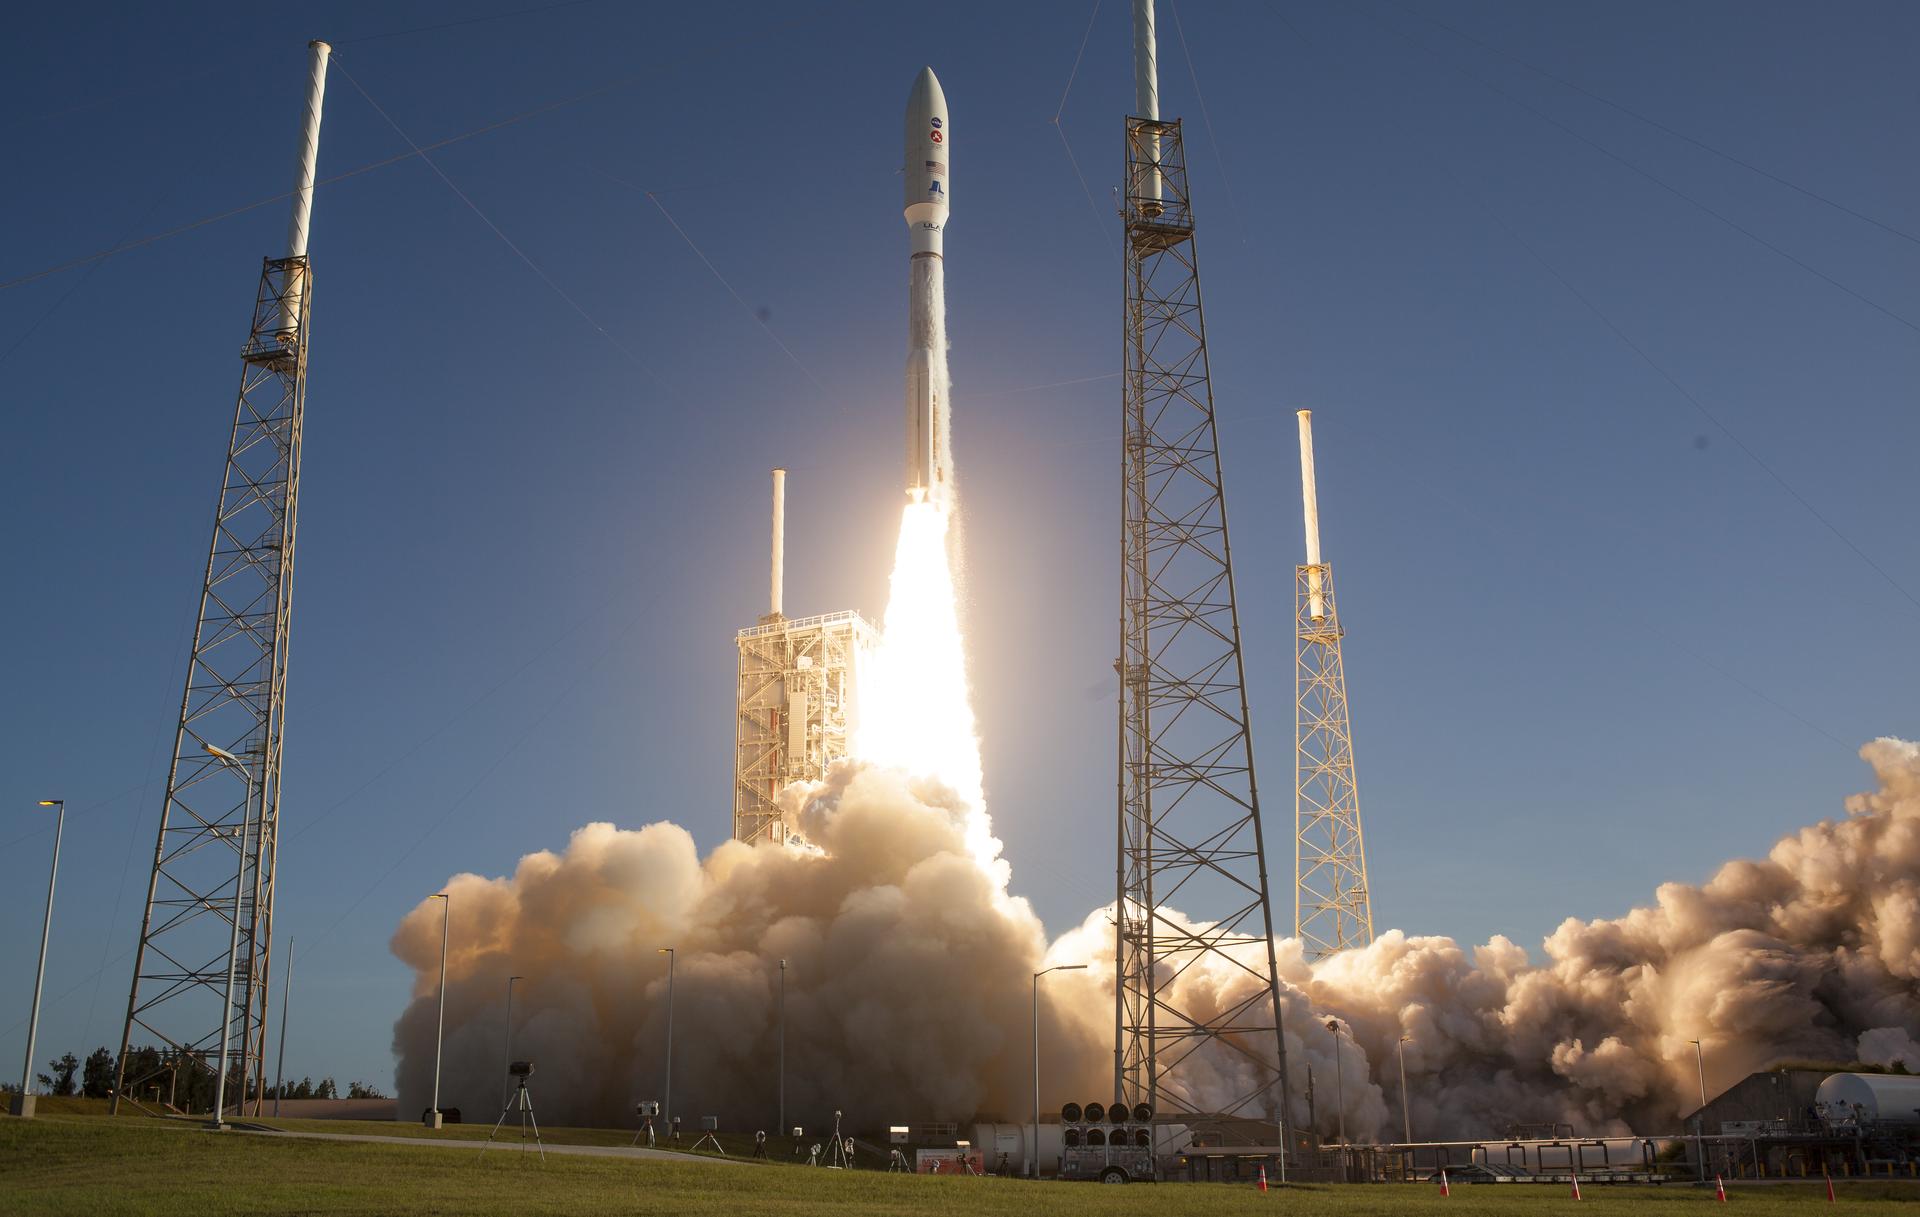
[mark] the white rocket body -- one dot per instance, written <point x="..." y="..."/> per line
<point x="928" y="144"/>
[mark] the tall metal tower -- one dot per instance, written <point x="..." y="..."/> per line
<point x="1331" y="907"/>
<point x="1190" y="832"/>
<point x="794" y="695"/>
<point x="200" y="973"/>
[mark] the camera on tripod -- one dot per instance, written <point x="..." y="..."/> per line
<point x="522" y="1102"/>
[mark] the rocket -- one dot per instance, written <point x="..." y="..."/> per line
<point x="928" y="149"/>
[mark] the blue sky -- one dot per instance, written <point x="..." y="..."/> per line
<point x="1615" y="432"/>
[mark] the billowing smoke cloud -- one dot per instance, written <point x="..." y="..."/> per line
<point x="909" y="990"/>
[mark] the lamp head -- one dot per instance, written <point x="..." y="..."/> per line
<point x="53" y="802"/>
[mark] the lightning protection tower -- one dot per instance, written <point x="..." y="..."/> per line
<point x="1189" y="823"/>
<point x="1331" y="907"/>
<point x="794" y="697"/>
<point x="199" y="988"/>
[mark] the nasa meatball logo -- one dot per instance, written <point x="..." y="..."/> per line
<point x="934" y="134"/>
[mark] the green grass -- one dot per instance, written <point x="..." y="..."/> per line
<point x="97" y="1168"/>
<point x="736" y="1144"/>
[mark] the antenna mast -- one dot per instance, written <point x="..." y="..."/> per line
<point x="217" y="850"/>
<point x="1331" y="907"/>
<point x="1189" y="815"/>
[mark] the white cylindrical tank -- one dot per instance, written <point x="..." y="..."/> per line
<point x="992" y="1140"/>
<point x="1871" y="1098"/>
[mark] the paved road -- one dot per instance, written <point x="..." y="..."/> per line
<point x="502" y="1145"/>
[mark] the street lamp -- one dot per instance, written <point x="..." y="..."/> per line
<point x="509" y="1058"/>
<point x="1033" y="1147"/>
<point x="440" y="1029"/>
<point x="23" y="1102"/>
<point x="666" y="1107"/>
<point x="1339" y="1078"/>
<point x="1700" y="1121"/>
<point x="1406" y="1118"/>
<point x="780" y="1115"/>
<point x="233" y="945"/>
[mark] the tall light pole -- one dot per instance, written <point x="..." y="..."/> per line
<point x="1339" y="1079"/>
<point x="1406" y="1116"/>
<point x="440" y="1029"/>
<point x="23" y="1102"/>
<point x="1033" y="1147"/>
<point x="286" y="999"/>
<point x="666" y="1106"/>
<point x="1700" y="1122"/>
<point x="780" y="1114"/>
<point x="233" y="946"/>
<point x="503" y="1084"/>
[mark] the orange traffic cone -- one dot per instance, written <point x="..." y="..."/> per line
<point x="1576" y="1187"/>
<point x="1829" y="1179"/>
<point x="1263" y="1176"/>
<point x="1720" y="1188"/>
<point x="1444" y="1189"/>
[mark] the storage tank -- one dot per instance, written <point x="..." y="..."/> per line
<point x="1872" y="1098"/>
<point x="992" y="1140"/>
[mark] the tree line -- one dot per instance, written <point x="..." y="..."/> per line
<point x="181" y="1080"/>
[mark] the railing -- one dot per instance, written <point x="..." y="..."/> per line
<point x="806" y="623"/>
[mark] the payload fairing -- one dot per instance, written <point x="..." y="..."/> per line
<point x="928" y="153"/>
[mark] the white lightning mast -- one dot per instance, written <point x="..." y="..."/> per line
<point x="1332" y="909"/>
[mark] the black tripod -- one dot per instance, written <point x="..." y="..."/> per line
<point x="522" y="1101"/>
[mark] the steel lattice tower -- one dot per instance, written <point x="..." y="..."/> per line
<point x="1189" y="823"/>
<point x="217" y="849"/>
<point x="1332" y="909"/>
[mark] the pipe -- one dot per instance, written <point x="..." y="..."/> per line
<point x="778" y="583"/>
<point x="1146" y="101"/>
<point x="1310" y="501"/>
<point x="302" y="217"/>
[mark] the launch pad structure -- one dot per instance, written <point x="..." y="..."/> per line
<point x="201" y="969"/>
<point x="794" y="699"/>
<point x="1190" y="835"/>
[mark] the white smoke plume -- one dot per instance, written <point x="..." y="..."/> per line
<point x="909" y="982"/>
<point x="907" y="989"/>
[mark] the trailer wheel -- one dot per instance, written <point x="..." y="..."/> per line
<point x="1113" y="1174"/>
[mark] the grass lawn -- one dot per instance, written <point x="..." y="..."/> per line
<point x="96" y="1168"/>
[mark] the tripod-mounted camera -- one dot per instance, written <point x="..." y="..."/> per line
<point x="522" y="1102"/>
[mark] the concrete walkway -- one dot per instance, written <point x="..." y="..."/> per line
<point x="503" y="1144"/>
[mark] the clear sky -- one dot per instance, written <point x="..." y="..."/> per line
<point x="1614" y="418"/>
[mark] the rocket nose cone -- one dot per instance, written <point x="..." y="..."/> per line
<point x="927" y="96"/>
<point x="929" y="136"/>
